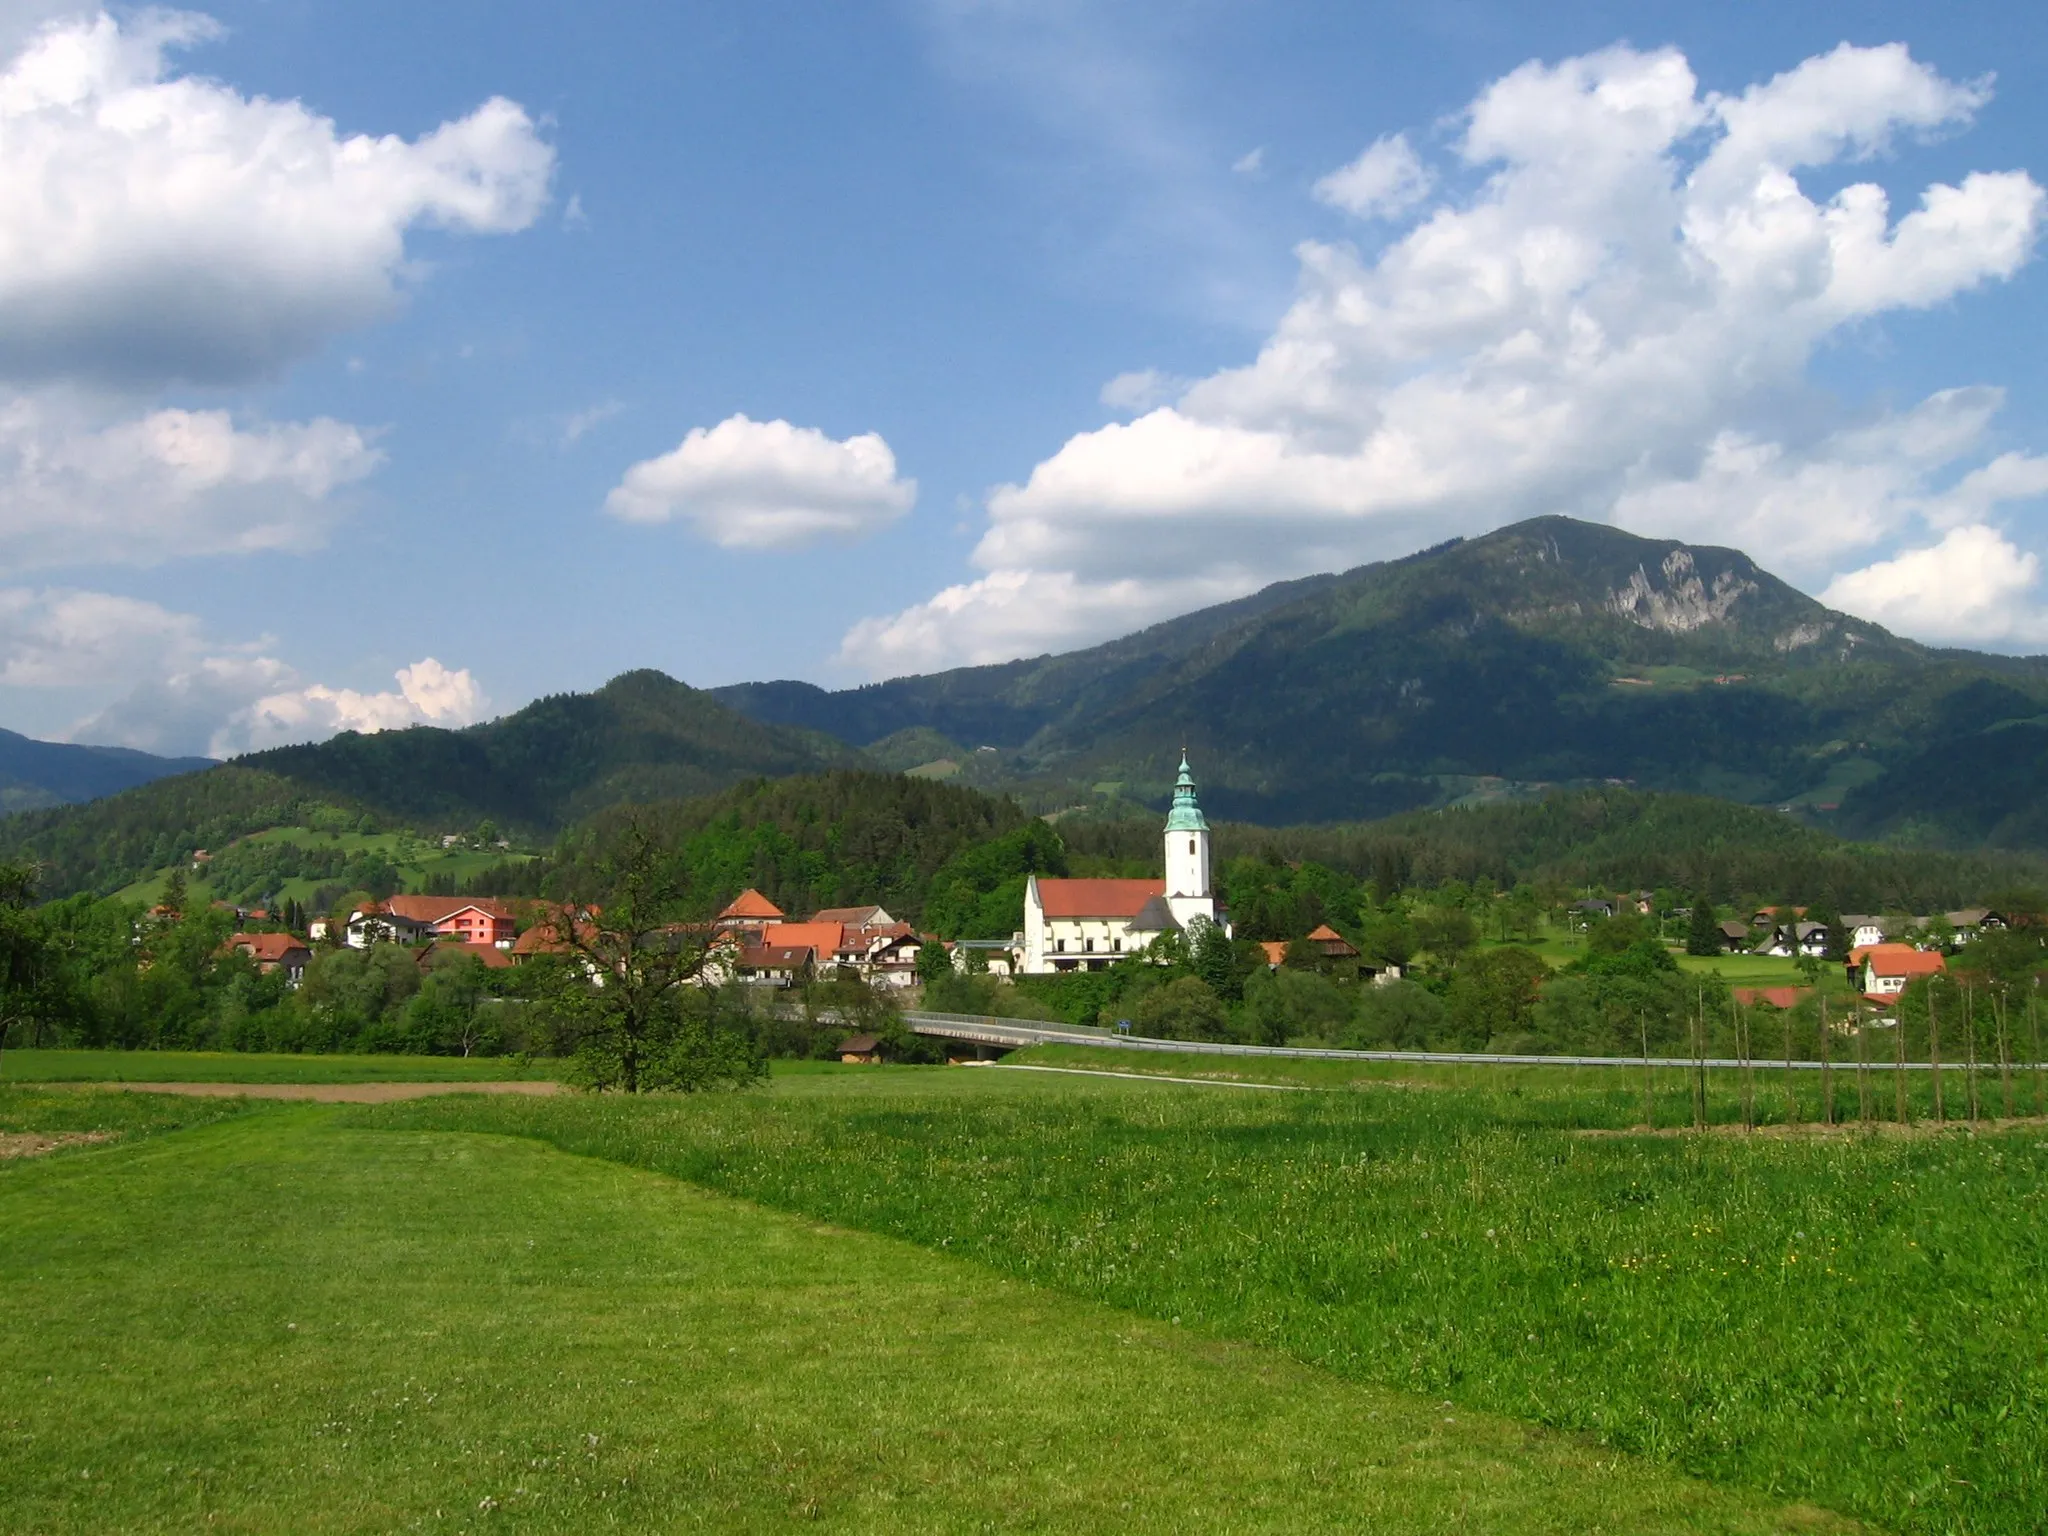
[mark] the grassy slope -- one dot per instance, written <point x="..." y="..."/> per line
<point x="1845" y="1320"/>
<point x="256" y="1067"/>
<point x="284" y="1324"/>
<point x="454" y="864"/>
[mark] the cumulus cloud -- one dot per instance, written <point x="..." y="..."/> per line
<point x="166" y="484"/>
<point x="1387" y="179"/>
<point x="767" y="485"/>
<point x="157" y="227"/>
<point x="62" y="638"/>
<point x="1141" y="389"/>
<point x="190" y="692"/>
<point x="1975" y="586"/>
<point x="1616" y="324"/>
<point x="427" y="694"/>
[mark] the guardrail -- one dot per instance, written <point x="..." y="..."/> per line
<point x="1016" y="1033"/>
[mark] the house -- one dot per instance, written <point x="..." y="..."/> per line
<point x="411" y="919"/>
<point x="855" y="917"/>
<point x="861" y="1051"/>
<point x="1972" y="921"/>
<point x="1796" y="938"/>
<point x="1089" y="925"/>
<point x="780" y="965"/>
<point x="1771" y="997"/>
<point x="1865" y="930"/>
<point x="1734" y="934"/>
<point x="1332" y="943"/>
<point x="489" y="955"/>
<point x="1586" y="911"/>
<point x="749" y="909"/>
<point x="274" y="952"/>
<point x="1887" y="968"/>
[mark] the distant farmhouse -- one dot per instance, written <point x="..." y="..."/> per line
<point x="1088" y="925"/>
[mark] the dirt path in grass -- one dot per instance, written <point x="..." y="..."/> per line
<point x="326" y="1093"/>
<point x="36" y="1143"/>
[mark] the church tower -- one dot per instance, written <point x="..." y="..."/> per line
<point x="1188" y="894"/>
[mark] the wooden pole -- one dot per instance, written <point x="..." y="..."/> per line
<point x="2034" y="1047"/>
<point x="1934" y="1057"/>
<point x="1970" y="1053"/>
<point x="1903" y="1105"/>
<point x="1999" y="1004"/>
<point x="1699" y="1067"/>
<point x="1791" y="1099"/>
<point x="1862" y="1069"/>
<point x="1827" y="1079"/>
<point x="1649" y="1079"/>
<point x="1740" y="1023"/>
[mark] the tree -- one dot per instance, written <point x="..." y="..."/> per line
<point x="28" y="974"/>
<point x="173" y="899"/>
<point x="1215" y="958"/>
<point x="1186" y="1009"/>
<point x="934" y="960"/>
<point x="1703" y="931"/>
<point x="630" y="980"/>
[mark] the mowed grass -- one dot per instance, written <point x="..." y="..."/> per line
<point x="1854" y="1321"/>
<point x="19" y="1066"/>
<point x="282" y="1323"/>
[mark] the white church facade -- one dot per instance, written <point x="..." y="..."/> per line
<point x="1089" y="925"/>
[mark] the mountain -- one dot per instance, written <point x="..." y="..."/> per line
<point x="1550" y="652"/>
<point x="641" y="737"/>
<point x="35" y="774"/>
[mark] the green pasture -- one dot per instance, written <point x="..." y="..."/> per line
<point x="428" y="861"/>
<point x="301" y="1319"/>
<point x="19" y="1066"/>
<point x="1851" y="1320"/>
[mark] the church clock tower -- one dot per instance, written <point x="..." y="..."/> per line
<point x="1188" y="893"/>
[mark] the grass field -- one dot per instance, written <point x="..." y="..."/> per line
<point x="1853" y="1321"/>
<point x="257" y="1067"/>
<point x="292" y="1320"/>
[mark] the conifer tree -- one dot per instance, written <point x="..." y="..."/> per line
<point x="1703" y="933"/>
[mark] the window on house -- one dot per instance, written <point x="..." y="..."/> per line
<point x="1117" y="945"/>
<point x="1060" y="946"/>
<point x="1090" y="946"/>
<point x="1191" y="847"/>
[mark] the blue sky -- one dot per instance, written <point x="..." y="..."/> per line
<point x="298" y="434"/>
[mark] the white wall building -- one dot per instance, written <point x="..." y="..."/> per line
<point x="1089" y="925"/>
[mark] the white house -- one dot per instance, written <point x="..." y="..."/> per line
<point x="1088" y="925"/>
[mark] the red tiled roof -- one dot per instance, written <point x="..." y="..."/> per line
<point x="268" y="947"/>
<point x="434" y="909"/>
<point x="1276" y="951"/>
<point x="823" y="937"/>
<point x="852" y="917"/>
<point x="751" y="906"/>
<point x="493" y="957"/>
<point x="1097" y="898"/>
<point x="1903" y="960"/>
<point x="1776" y="997"/>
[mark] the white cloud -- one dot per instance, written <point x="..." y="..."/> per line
<point x="1975" y="586"/>
<point x="61" y="638"/>
<point x="1616" y="324"/>
<point x="427" y="694"/>
<point x="156" y="226"/>
<point x="1141" y="390"/>
<point x="1386" y="180"/>
<point x="767" y="485"/>
<point x="1251" y="163"/>
<point x="167" y="484"/>
<point x="189" y="692"/>
<point x="576" y="423"/>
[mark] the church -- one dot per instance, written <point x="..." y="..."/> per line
<point x="1088" y="925"/>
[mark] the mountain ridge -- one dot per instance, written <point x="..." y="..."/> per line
<point x="1551" y="651"/>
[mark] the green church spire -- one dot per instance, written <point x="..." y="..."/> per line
<point x="1186" y="816"/>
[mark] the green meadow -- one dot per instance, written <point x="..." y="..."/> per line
<point x="263" y="1067"/>
<point x="980" y="1298"/>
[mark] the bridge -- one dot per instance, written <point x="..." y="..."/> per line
<point x="994" y="1037"/>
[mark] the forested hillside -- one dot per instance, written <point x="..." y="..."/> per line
<point x="642" y="737"/>
<point x="1553" y="652"/>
